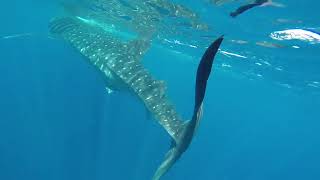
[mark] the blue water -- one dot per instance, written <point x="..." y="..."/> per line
<point x="261" y="113"/>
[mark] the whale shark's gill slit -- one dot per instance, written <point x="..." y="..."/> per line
<point x="122" y="61"/>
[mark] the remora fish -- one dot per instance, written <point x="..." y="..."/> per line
<point x="119" y="61"/>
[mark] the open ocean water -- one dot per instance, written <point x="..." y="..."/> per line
<point x="261" y="116"/>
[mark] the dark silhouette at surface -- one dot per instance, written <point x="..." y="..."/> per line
<point x="246" y="7"/>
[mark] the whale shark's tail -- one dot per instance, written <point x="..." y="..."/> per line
<point x="184" y="139"/>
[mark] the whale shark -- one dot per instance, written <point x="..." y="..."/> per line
<point x="119" y="61"/>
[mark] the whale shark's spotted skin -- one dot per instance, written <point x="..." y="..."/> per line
<point x="120" y="62"/>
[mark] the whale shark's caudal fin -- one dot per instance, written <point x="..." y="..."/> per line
<point x="187" y="130"/>
<point x="203" y="73"/>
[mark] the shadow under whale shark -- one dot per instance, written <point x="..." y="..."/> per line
<point x="119" y="61"/>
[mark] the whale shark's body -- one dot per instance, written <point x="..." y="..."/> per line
<point x="118" y="58"/>
<point x="120" y="63"/>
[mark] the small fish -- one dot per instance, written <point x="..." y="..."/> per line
<point x="239" y="41"/>
<point x="287" y="21"/>
<point x="268" y="44"/>
<point x="228" y="54"/>
<point x="16" y="36"/>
